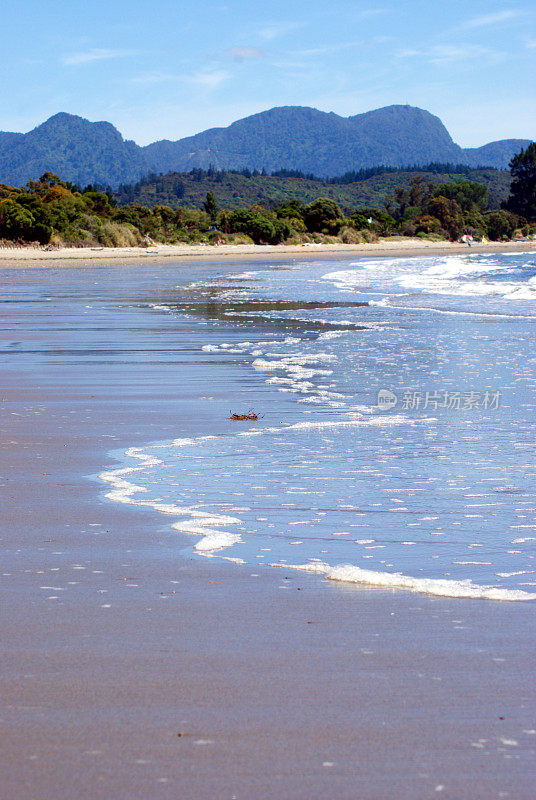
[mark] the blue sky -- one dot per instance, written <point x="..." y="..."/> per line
<point x="171" y="68"/>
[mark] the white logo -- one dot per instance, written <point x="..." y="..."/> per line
<point x="386" y="399"/>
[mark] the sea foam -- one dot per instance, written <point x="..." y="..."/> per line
<point x="349" y="573"/>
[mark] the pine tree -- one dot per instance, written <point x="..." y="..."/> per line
<point x="522" y="199"/>
<point x="210" y="205"/>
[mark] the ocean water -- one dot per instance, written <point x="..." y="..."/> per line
<point x="395" y="445"/>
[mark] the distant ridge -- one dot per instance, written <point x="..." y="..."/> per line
<point x="79" y="151"/>
<point x="289" y="137"/>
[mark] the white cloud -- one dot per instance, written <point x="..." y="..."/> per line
<point x="409" y="52"/>
<point x="450" y="54"/>
<point x="155" y="77"/>
<point x="491" y="19"/>
<point x="244" y="53"/>
<point x="336" y="48"/>
<point x="96" y="55"/>
<point x="369" y="12"/>
<point x="275" y="29"/>
<point x="327" y="48"/>
<point x="210" y="78"/>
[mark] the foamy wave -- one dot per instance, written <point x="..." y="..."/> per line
<point x="462" y="312"/>
<point x="199" y="523"/>
<point x="470" y="276"/>
<point x="292" y="367"/>
<point x="211" y="540"/>
<point x="330" y="335"/>
<point x="449" y="276"/>
<point x="348" y="573"/>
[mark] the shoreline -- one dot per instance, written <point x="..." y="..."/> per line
<point x="132" y="670"/>
<point x="17" y="258"/>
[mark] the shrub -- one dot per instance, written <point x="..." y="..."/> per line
<point x="449" y="214"/>
<point x="114" y="234"/>
<point x="500" y="224"/>
<point x="350" y="235"/>
<point x="323" y="214"/>
<point x="409" y="228"/>
<point x="370" y="236"/>
<point x="427" y="224"/>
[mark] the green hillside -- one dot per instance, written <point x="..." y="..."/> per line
<point x="58" y="212"/>
<point x="306" y="139"/>
<point x="238" y="189"/>
<point x="291" y="138"/>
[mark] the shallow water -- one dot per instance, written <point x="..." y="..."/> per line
<point x="433" y="490"/>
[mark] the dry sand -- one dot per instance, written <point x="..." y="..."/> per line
<point x="393" y="246"/>
<point x="130" y="671"/>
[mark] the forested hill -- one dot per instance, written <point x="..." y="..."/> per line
<point x="326" y="144"/>
<point x="84" y="152"/>
<point x="366" y="189"/>
<point x="290" y="137"/>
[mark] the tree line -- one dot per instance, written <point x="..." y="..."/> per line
<point x="51" y="210"/>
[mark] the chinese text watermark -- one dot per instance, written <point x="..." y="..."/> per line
<point x="414" y="399"/>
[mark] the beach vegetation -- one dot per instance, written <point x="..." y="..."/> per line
<point x="360" y="189"/>
<point x="501" y="225"/>
<point x="210" y="206"/>
<point x="54" y="211"/>
<point x="469" y="195"/>
<point x="323" y="215"/>
<point x="522" y="197"/>
<point x="449" y="214"/>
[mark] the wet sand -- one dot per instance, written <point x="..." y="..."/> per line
<point x="165" y="254"/>
<point x="131" y="670"/>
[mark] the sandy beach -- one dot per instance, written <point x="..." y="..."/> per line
<point x="132" y="670"/>
<point x="165" y="254"/>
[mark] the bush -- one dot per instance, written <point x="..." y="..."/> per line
<point x="428" y="224"/>
<point x="114" y="234"/>
<point x="430" y="237"/>
<point x="290" y="209"/>
<point x="500" y="224"/>
<point x="475" y="224"/>
<point x="282" y="231"/>
<point x="449" y="214"/>
<point x="409" y="228"/>
<point x="17" y="222"/>
<point x="469" y="196"/>
<point x="349" y="235"/>
<point x="370" y="236"/>
<point x="322" y="215"/>
<point x="261" y="230"/>
<point x="360" y="221"/>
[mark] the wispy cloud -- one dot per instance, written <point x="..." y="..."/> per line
<point x="326" y="48"/>
<point x="155" y="77"/>
<point x="337" y="48"/>
<point x="210" y="78"/>
<point x="368" y="12"/>
<point x="449" y="54"/>
<point x="244" y="53"/>
<point x="274" y="30"/>
<point x="96" y="55"/>
<point x="492" y="19"/>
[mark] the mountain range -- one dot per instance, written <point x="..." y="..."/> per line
<point x="290" y="137"/>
